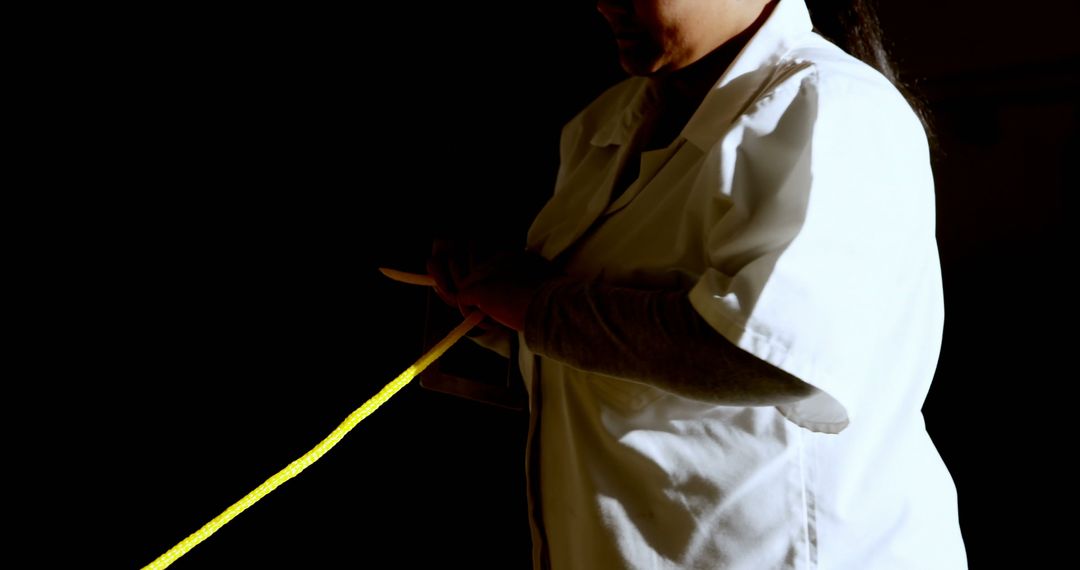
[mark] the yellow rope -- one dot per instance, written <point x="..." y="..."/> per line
<point x="412" y="278"/>
<point x="294" y="468"/>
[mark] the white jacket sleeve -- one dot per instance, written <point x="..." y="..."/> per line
<point x="822" y="258"/>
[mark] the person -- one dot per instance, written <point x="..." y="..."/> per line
<point x="729" y="312"/>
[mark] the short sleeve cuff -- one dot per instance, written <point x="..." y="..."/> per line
<point x="822" y="412"/>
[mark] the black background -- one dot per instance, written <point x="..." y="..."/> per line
<point x="220" y="188"/>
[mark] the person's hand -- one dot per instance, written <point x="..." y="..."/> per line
<point x="450" y="262"/>
<point x="499" y="283"/>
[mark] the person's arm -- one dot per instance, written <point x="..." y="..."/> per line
<point x="653" y="337"/>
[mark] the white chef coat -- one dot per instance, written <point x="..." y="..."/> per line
<point x="797" y="205"/>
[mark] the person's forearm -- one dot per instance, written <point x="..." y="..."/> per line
<point x="654" y="337"/>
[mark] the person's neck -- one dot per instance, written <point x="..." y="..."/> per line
<point x="683" y="90"/>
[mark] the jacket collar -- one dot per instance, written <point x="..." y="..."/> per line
<point x="789" y="22"/>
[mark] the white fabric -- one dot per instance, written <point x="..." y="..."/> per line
<point x="798" y="204"/>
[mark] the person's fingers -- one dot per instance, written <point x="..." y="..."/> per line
<point x="452" y="256"/>
<point x="487" y="324"/>
<point x="466" y="300"/>
<point x="457" y="262"/>
<point x="443" y="287"/>
<point x="438" y="267"/>
<point x="467" y="259"/>
<point x="476" y="276"/>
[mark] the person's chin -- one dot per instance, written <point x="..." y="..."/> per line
<point x="638" y="57"/>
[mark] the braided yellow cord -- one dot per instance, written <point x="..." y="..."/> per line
<point x="318" y="451"/>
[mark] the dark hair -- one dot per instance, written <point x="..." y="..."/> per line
<point x="853" y="25"/>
